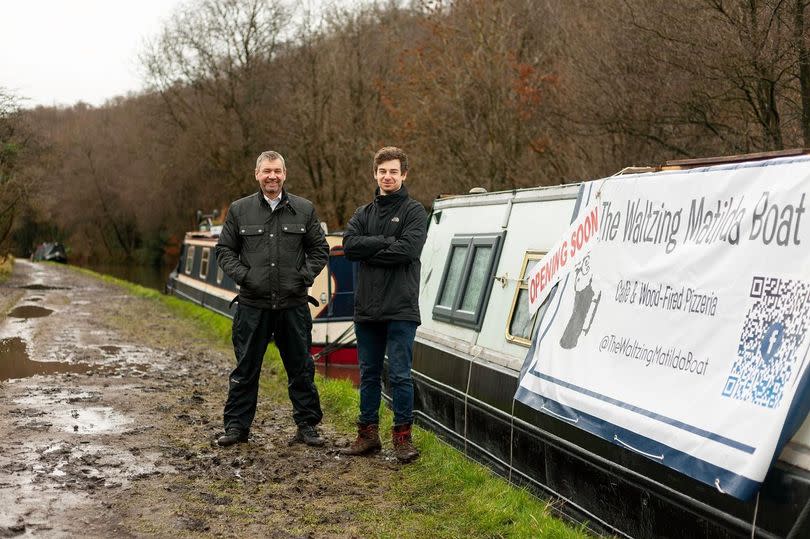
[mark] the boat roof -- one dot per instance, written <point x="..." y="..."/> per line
<point x="478" y="196"/>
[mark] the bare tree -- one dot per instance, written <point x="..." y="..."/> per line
<point x="497" y="93"/>
<point x="801" y="44"/>
<point x="211" y="66"/>
<point x="471" y="92"/>
<point x="722" y="73"/>
<point x="15" y="141"/>
<point x="334" y="118"/>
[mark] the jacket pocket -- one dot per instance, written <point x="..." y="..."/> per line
<point x="293" y="231"/>
<point x="292" y="237"/>
<point x="294" y="228"/>
<point x="252" y="236"/>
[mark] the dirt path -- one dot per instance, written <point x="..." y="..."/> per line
<point x="122" y="443"/>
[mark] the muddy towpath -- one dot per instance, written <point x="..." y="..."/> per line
<point x="109" y="408"/>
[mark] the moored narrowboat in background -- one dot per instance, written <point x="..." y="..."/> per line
<point x="50" y="252"/>
<point x="199" y="279"/>
<point x="475" y="335"/>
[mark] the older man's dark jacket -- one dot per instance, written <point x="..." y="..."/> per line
<point x="387" y="237"/>
<point x="272" y="255"/>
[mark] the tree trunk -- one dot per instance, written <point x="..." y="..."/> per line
<point x="804" y="68"/>
<point x="121" y="240"/>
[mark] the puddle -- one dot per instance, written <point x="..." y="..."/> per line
<point x="29" y="311"/>
<point x="34" y="299"/>
<point x="15" y="363"/>
<point x="118" y="361"/>
<point x="89" y="420"/>
<point x="65" y="411"/>
<point x="52" y="397"/>
<point x="44" y="287"/>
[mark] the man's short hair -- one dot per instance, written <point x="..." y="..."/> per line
<point x="270" y="155"/>
<point x="390" y="153"/>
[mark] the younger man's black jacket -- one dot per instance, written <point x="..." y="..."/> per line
<point x="387" y="237"/>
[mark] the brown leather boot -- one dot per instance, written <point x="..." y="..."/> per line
<point x="404" y="449"/>
<point x="368" y="440"/>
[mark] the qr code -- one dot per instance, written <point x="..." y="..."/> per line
<point x="773" y="331"/>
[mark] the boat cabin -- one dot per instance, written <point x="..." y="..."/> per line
<point x="198" y="278"/>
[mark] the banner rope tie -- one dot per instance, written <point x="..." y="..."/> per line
<point x="467" y="395"/>
<point x="754" y="522"/>
<point x="639" y="451"/>
<point x="511" y="437"/>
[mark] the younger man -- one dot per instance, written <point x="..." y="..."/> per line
<point x="386" y="236"/>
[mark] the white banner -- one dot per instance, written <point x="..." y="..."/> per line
<point x="681" y="336"/>
<point x="566" y="254"/>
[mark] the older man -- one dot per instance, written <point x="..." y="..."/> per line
<point x="273" y="247"/>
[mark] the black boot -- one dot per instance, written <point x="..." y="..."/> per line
<point x="308" y="435"/>
<point x="232" y="437"/>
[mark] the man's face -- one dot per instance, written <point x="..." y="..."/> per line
<point x="389" y="176"/>
<point x="271" y="176"/>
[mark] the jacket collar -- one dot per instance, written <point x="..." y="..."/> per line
<point x="392" y="198"/>
<point x="285" y="201"/>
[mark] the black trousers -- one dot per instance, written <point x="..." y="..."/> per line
<point x="253" y="329"/>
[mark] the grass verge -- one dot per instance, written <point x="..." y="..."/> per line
<point x="6" y="266"/>
<point x="443" y="494"/>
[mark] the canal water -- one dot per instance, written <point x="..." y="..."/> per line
<point x="154" y="277"/>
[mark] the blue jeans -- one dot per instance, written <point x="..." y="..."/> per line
<point x="373" y="338"/>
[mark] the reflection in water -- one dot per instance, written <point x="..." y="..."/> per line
<point x="29" y="311"/>
<point x="154" y="277"/>
<point x="340" y="372"/>
<point x="89" y="420"/>
<point x="44" y="287"/>
<point x="14" y="362"/>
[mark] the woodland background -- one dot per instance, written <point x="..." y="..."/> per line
<point x="500" y="94"/>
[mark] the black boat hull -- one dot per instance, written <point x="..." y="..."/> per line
<point x="200" y="297"/>
<point x="614" y="491"/>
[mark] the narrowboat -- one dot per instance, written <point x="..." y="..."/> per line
<point x="199" y="279"/>
<point x="477" y="336"/>
<point x="50" y="252"/>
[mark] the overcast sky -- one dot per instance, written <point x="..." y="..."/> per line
<point x="58" y="52"/>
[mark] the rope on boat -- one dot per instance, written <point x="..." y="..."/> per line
<point x="345" y="339"/>
<point x="511" y="438"/>
<point x="754" y="523"/>
<point x="467" y="395"/>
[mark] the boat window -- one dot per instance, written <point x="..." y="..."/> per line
<point x="206" y="254"/>
<point x="467" y="279"/>
<point x="220" y="275"/>
<point x="519" y="325"/>
<point x="190" y="259"/>
<point x="478" y="278"/>
<point x="458" y="254"/>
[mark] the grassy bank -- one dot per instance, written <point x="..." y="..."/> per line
<point x="6" y="265"/>
<point x="440" y="495"/>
